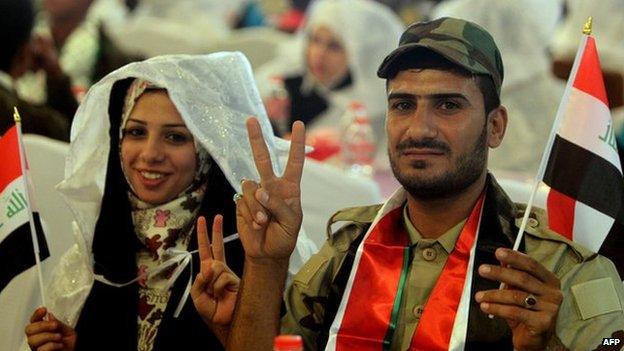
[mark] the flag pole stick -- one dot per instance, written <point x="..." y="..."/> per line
<point x="25" y="175"/>
<point x="551" y="139"/>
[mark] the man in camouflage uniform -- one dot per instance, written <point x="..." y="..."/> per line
<point x="444" y="113"/>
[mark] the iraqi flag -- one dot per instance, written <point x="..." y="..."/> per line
<point x="16" y="242"/>
<point x="586" y="198"/>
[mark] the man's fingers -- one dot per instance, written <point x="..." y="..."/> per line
<point x="260" y="151"/>
<point x="523" y="262"/>
<point x="510" y="312"/>
<point x="203" y="242"/>
<point x="511" y="276"/>
<point x="536" y="321"/>
<point x="279" y="209"/>
<point x="515" y="298"/>
<point x="217" y="239"/>
<point x="243" y="214"/>
<point x="259" y="213"/>
<point x="296" y="155"/>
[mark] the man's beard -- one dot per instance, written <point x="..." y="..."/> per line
<point x="468" y="168"/>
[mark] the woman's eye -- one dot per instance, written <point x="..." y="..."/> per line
<point x="133" y="132"/>
<point x="178" y="138"/>
<point x="334" y="46"/>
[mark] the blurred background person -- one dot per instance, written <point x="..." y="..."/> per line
<point x="158" y="27"/>
<point x="331" y="64"/>
<point x="18" y="55"/>
<point x="522" y="29"/>
<point x="71" y="35"/>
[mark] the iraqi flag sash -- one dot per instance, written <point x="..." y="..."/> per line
<point x="367" y="315"/>
<point x="586" y="198"/>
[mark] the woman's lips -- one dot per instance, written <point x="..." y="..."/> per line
<point x="151" y="179"/>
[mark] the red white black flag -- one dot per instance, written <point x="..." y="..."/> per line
<point x="586" y="198"/>
<point x="16" y="240"/>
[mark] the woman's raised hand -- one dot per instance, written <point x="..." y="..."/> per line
<point x="51" y="334"/>
<point x="268" y="215"/>
<point x="215" y="287"/>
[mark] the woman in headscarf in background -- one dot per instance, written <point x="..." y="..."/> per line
<point x="333" y="62"/>
<point x="154" y="145"/>
<point x="530" y="91"/>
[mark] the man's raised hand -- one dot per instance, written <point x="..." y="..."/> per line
<point x="269" y="213"/>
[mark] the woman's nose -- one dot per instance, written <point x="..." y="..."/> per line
<point x="153" y="151"/>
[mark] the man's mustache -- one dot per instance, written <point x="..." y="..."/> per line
<point x="427" y="143"/>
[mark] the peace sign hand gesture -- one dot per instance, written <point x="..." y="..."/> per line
<point x="268" y="214"/>
<point x="216" y="286"/>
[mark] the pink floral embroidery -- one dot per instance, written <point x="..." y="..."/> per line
<point x="142" y="275"/>
<point x="161" y="217"/>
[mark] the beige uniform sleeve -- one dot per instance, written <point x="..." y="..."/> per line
<point x="592" y="306"/>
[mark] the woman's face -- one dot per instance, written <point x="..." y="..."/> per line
<point x="157" y="150"/>
<point x="326" y="56"/>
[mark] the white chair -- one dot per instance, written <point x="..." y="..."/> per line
<point x="326" y="189"/>
<point x="46" y="158"/>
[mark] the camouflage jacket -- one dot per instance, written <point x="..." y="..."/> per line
<point x="593" y="291"/>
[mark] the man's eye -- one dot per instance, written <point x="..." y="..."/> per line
<point x="449" y="105"/>
<point x="402" y="105"/>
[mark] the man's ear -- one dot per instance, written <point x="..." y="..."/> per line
<point x="497" y="125"/>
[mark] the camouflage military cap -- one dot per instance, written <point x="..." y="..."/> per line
<point x="461" y="42"/>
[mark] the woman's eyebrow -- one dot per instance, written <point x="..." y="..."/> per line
<point x="168" y="125"/>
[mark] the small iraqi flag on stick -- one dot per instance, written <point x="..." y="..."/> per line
<point x="581" y="164"/>
<point x="19" y="241"/>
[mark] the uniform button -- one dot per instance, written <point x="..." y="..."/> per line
<point x="429" y="254"/>
<point x="533" y="222"/>
<point x="418" y="311"/>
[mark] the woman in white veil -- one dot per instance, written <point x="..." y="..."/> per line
<point x="116" y="225"/>
<point x="363" y="32"/>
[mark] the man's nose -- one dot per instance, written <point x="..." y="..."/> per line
<point x="422" y="124"/>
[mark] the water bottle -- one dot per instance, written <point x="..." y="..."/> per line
<point x="358" y="141"/>
<point x="278" y="105"/>
<point x="288" y="343"/>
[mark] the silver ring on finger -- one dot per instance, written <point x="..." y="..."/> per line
<point x="530" y="301"/>
<point x="237" y="197"/>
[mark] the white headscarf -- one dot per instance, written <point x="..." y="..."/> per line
<point x="214" y="94"/>
<point x="369" y="31"/>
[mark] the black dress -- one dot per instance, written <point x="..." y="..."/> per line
<point x="307" y="106"/>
